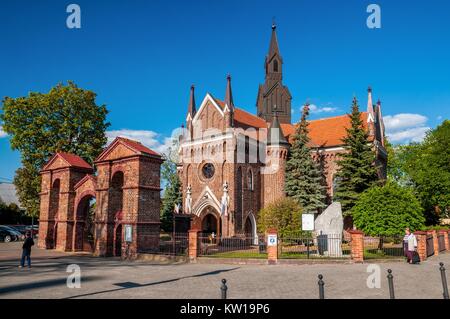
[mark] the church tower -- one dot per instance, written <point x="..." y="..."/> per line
<point x="272" y="95"/>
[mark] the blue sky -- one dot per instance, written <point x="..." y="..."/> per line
<point x="141" y="57"/>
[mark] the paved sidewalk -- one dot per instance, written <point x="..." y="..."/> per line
<point x="112" y="278"/>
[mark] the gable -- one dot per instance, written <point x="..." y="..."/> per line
<point x="87" y="182"/>
<point x="116" y="151"/>
<point x="209" y="117"/>
<point x="65" y="160"/>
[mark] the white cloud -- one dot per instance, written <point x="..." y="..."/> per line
<point x="314" y="109"/>
<point x="403" y="120"/>
<point x="2" y="133"/>
<point x="415" y="134"/>
<point x="405" y="127"/>
<point x="151" y="139"/>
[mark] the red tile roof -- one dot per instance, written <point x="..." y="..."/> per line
<point x="326" y="132"/>
<point x="245" y="118"/>
<point x="74" y="160"/>
<point x="137" y="146"/>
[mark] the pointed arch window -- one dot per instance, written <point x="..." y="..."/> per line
<point x="250" y="179"/>
<point x="275" y="65"/>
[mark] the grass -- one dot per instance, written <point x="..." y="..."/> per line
<point x="383" y="254"/>
<point x="296" y="255"/>
<point x="238" y="254"/>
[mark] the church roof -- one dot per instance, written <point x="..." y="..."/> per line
<point x="327" y="132"/>
<point x="137" y="146"/>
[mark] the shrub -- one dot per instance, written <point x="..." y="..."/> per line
<point x="284" y="215"/>
<point x="387" y="210"/>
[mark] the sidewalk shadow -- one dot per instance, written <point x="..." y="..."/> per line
<point x="42" y="284"/>
<point x="130" y="285"/>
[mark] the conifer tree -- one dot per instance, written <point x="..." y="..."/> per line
<point x="357" y="171"/>
<point x="303" y="176"/>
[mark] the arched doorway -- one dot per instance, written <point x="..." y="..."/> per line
<point x="84" y="224"/>
<point x="52" y="232"/>
<point x="114" y="238"/>
<point x="250" y="229"/>
<point x="211" y="222"/>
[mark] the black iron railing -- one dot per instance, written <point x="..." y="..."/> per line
<point x="237" y="246"/>
<point x="430" y="245"/>
<point x="384" y="247"/>
<point x="168" y="244"/>
<point x="313" y="246"/>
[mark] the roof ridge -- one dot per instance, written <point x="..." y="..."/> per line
<point x="334" y="117"/>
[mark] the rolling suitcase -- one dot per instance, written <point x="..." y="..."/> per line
<point x="415" y="258"/>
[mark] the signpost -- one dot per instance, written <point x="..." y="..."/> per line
<point x="128" y="238"/>
<point x="307" y="225"/>
<point x="272" y="240"/>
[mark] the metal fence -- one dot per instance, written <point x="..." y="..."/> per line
<point x="237" y="246"/>
<point x="299" y="246"/>
<point x="169" y="244"/>
<point x="383" y="247"/>
<point x="430" y="246"/>
<point x="441" y="242"/>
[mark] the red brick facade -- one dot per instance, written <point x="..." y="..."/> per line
<point x="126" y="190"/>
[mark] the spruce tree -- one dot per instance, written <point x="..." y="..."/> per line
<point x="357" y="171"/>
<point x="303" y="176"/>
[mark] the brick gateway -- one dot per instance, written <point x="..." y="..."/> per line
<point x="81" y="211"/>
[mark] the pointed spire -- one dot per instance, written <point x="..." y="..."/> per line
<point x="273" y="48"/>
<point x="370" y="110"/>
<point x="191" y="107"/>
<point x="275" y="134"/>
<point x="229" y="95"/>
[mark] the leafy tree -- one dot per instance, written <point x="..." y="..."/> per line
<point x="398" y="156"/>
<point x="284" y="215"/>
<point x="428" y="165"/>
<point x="387" y="210"/>
<point x="172" y="190"/>
<point x="357" y="171"/>
<point x="304" y="180"/>
<point x="65" y="119"/>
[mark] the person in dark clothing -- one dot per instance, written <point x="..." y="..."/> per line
<point x="26" y="250"/>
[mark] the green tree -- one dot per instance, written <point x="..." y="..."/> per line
<point x="428" y="165"/>
<point x="357" y="171"/>
<point x="304" y="180"/>
<point x="283" y="215"/>
<point x="387" y="210"/>
<point x="172" y="186"/>
<point x="65" y="119"/>
<point x="398" y="156"/>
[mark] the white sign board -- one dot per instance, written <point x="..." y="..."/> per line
<point x="307" y="221"/>
<point x="128" y="233"/>
<point x="272" y="240"/>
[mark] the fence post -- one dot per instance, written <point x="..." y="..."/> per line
<point x="357" y="245"/>
<point x="444" y="281"/>
<point x="445" y="234"/>
<point x="321" y="283"/>
<point x="421" y="244"/>
<point x="435" y="243"/>
<point x="390" y="278"/>
<point x="272" y="246"/>
<point x="193" y="245"/>
<point x="223" y="289"/>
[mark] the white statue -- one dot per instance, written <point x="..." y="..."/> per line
<point x="225" y="202"/>
<point x="188" y="203"/>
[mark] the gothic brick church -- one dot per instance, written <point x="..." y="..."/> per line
<point x="232" y="162"/>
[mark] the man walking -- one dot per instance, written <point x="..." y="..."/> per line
<point x="26" y="250"/>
